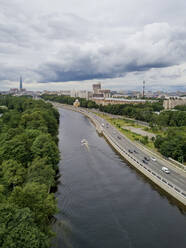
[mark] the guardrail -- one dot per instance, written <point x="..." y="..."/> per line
<point x="154" y="174"/>
<point x="180" y="165"/>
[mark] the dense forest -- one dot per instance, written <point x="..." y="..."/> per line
<point x="171" y="123"/>
<point x="29" y="157"/>
<point x="181" y="107"/>
<point x="173" y="143"/>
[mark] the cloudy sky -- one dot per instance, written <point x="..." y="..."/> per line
<point x="70" y="44"/>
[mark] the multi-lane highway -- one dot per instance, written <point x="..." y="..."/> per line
<point x="176" y="179"/>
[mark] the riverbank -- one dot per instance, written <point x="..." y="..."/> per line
<point x="158" y="179"/>
<point x="105" y="201"/>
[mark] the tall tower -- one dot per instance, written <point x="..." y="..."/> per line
<point x="20" y="84"/>
<point x="96" y="88"/>
<point x="143" y="89"/>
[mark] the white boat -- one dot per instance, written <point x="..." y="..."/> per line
<point x="84" y="141"/>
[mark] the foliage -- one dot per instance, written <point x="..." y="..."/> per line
<point x="181" y="107"/>
<point x="13" y="173"/>
<point x="41" y="172"/>
<point x="35" y="196"/>
<point x="171" y="118"/>
<point x="70" y="100"/>
<point x="172" y="145"/>
<point x="18" y="229"/>
<point x="168" y="146"/>
<point x="28" y="164"/>
<point x="144" y="140"/>
<point x="44" y="147"/>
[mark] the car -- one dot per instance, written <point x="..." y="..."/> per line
<point x="130" y="151"/>
<point x="153" y="159"/>
<point x="102" y="124"/>
<point x="144" y="161"/>
<point x="119" y="137"/>
<point x="166" y="170"/>
<point x="135" y="151"/>
<point x="147" y="159"/>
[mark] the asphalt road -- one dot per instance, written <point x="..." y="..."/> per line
<point x="178" y="180"/>
<point x="174" y="178"/>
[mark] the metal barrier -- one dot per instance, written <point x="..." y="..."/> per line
<point x="151" y="172"/>
<point x="173" y="187"/>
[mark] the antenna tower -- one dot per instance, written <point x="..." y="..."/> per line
<point x="143" y="89"/>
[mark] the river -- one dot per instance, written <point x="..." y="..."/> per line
<point x="105" y="203"/>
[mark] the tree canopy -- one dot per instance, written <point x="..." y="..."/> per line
<point x="29" y="157"/>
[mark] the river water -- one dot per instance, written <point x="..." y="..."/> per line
<point x="103" y="202"/>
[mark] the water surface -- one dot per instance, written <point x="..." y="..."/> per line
<point x="103" y="202"/>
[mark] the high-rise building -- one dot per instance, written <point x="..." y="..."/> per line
<point x="20" y="84"/>
<point x="143" y="89"/>
<point x="96" y="88"/>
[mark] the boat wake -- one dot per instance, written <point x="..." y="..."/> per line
<point x="84" y="142"/>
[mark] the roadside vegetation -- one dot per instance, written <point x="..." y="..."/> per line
<point x="29" y="157"/>
<point x="70" y="100"/>
<point x="180" y="107"/>
<point x="122" y="124"/>
<point x="169" y="126"/>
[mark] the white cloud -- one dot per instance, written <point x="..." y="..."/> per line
<point x="115" y="41"/>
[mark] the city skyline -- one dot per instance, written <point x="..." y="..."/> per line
<point x="73" y="45"/>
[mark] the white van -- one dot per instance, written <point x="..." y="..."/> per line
<point x="166" y="170"/>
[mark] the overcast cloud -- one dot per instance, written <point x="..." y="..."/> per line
<point x="59" y="44"/>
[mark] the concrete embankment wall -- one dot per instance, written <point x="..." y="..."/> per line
<point x="153" y="176"/>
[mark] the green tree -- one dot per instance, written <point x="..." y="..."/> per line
<point x="18" y="230"/>
<point x="36" y="197"/>
<point x="45" y="147"/>
<point x="16" y="148"/>
<point x="41" y="172"/>
<point x="13" y="173"/>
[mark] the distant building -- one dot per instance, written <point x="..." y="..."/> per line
<point x="173" y="102"/>
<point x="117" y="95"/>
<point x="82" y="94"/>
<point x="73" y="93"/>
<point x="47" y="92"/>
<point x="98" y="95"/>
<point x="98" y="92"/>
<point x="64" y="92"/>
<point x="89" y="95"/>
<point x="96" y="88"/>
<point x="106" y="93"/>
<point x="20" y="84"/>
<point x="14" y="90"/>
<point x="106" y="101"/>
